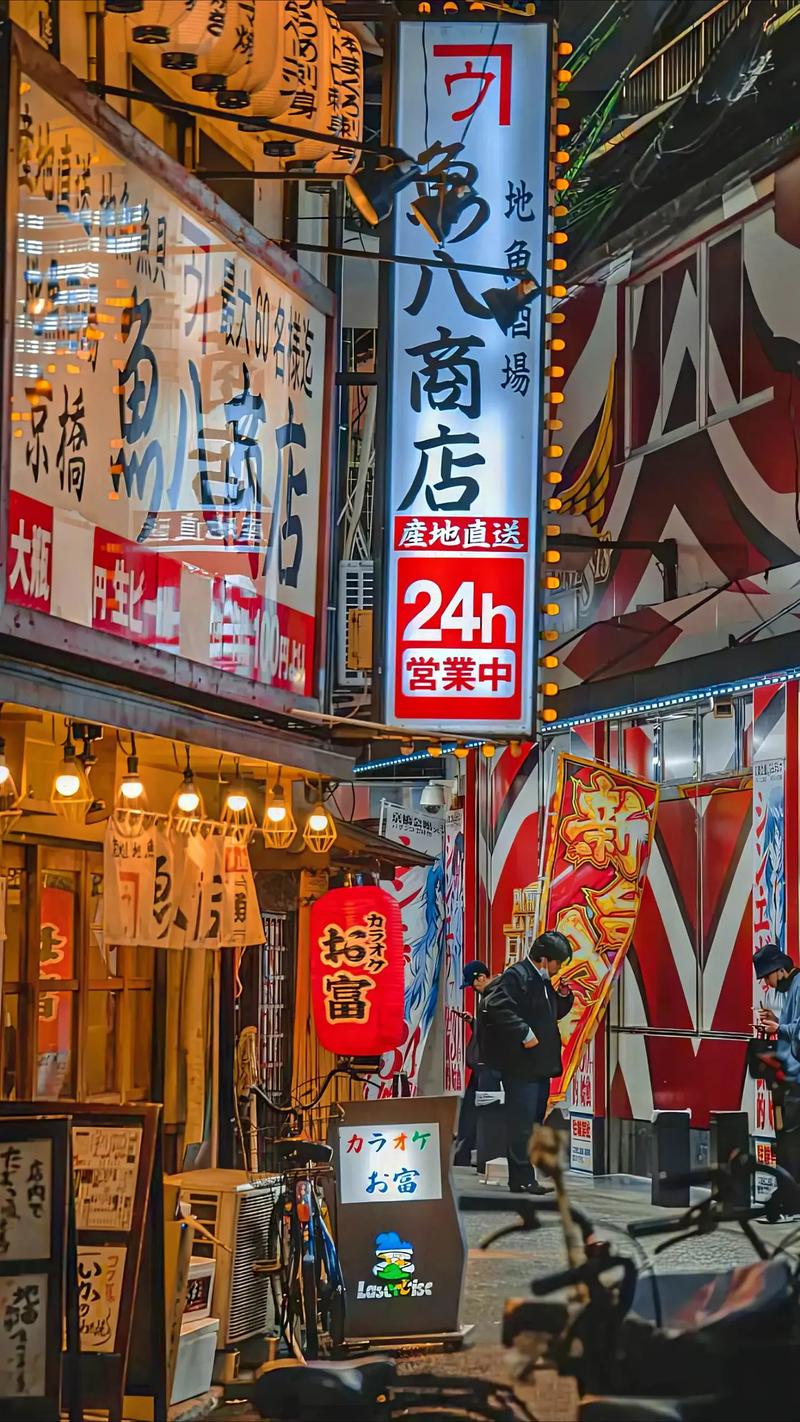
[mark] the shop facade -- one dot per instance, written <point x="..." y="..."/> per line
<point x="165" y="504"/>
<point x="677" y="649"/>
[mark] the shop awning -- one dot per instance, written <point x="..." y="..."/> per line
<point x="355" y="840"/>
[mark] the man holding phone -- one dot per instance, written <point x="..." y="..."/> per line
<point x="778" y="973"/>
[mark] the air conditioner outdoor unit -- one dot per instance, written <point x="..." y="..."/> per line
<point x="356" y="592"/>
<point x="237" y="1211"/>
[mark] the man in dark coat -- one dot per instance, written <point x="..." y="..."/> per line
<point x="522" y="1041"/>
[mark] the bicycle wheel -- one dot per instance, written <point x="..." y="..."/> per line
<point x="330" y="1282"/>
<point x="282" y="1245"/>
<point x="308" y="1275"/>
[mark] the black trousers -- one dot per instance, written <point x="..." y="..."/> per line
<point x="467" y="1129"/>
<point x="526" y="1104"/>
<point x="787" y="1145"/>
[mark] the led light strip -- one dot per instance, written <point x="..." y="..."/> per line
<point x="683" y="698"/>
<point x="550" y="579"/>
<point x="417" y="756"/>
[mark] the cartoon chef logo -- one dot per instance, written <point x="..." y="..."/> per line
<point x="395" y="1262"/>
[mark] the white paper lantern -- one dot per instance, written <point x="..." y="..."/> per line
<point x="190" y="35"/>
<point x="347" y="103"/>
<point x="311" y="103"/>
<point x="227" y="30"/>
<point x="268" y="71"/>
<point x="153" y="23"/>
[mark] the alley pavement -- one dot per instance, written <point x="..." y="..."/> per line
<point x="506" y="1269"/>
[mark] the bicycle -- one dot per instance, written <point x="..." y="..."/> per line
<point x="308" y="1284"/>
<point x="632" y="1363"/>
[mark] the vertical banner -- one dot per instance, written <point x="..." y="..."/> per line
<point x="769" y="854"/>
<point x="453" y="952"/>
<point x="420" y="894"/>
<point x="769" y="901"/>
<point x="466" y="361"/>
<point x="603" y="825"/>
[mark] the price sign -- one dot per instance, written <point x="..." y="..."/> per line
<point x="466" y="363"/>
<point x="459" y="637"/>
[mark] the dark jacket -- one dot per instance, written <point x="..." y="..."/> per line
<point x="521" y="1001"/>
<point x="473" y="1056"/>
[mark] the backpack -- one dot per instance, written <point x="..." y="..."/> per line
<point x="486" y="1021"/>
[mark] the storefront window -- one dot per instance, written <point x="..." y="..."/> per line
<point x="12" y="1071"/>
<point x="102" y="1039"/>
<point x="54" y="1055"/>
<point x="719" y="743"/>
<point x="83" y="1007"/>
<point x="678" y="755"/>
<point x="141" y="1041"/>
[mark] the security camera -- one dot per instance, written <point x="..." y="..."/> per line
<point x="432" y="797"/>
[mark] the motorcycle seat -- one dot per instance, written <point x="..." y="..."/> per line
<point x="328" y="1391"/>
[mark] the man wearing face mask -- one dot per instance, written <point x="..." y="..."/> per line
<point x="518" y="1033"/>
<point x="778" y="973"/>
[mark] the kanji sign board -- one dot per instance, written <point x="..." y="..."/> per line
<point x="463" y="443"/>
<point x="167" y="453"/>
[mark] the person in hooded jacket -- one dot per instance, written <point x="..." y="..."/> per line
<point x="476" y="976"/>
<point x="776" y="972"/>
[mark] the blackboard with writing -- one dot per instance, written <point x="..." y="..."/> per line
<point x="118" y="1214"/>
<point x="34" y="1192"/>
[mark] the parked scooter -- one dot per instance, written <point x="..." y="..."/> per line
<point x="667" y="1347"/>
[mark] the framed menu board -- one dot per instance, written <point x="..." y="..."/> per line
<point x="34" y="1196"/>
<point x="119" y="1227"/>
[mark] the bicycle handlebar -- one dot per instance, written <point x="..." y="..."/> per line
<point x="640" y="1229"/>
<point x="527" y="1208"/>
<point x="298" y="1108"/>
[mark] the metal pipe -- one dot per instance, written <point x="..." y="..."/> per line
<point x="265" y="125"/>
<point x="395" y="257"/>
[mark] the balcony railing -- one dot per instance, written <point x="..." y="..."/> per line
<point x="669" y="73"/>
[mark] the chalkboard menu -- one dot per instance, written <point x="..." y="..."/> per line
<point x="118" y="1211"/>
<point x="34" y="1170"/>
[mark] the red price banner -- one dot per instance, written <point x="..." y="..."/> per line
<point x="459" y="637"/>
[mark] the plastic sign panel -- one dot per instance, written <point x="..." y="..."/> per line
<point x="167" y="417"/>
<point x="389" y="1162"/>
<point x="357" y="971"/>
<point x="465" y="417"/>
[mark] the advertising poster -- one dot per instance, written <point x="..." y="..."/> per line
<point x="420" y="894"/>
<point x="466" y="379"/>
<point x="769" y="907"/>
<point x="168" y="405"/>
<point x="603" y="825"/>
<point x="454" y="1028"/>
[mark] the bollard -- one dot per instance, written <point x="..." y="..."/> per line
<point x="670" y="1156"/>
<point x="730" y="1133"/>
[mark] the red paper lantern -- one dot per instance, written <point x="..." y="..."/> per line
<point x="357" y="971"/>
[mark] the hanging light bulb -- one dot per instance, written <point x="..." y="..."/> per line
<point x="237" y="810"/>
<point x="318" y="819"/>
<point x="237" y="798"/>
<point x="276" y="809"/>
<point x="279" y="827"/>
<point x="68" y="780"/>
<point x="320" y="831"/>
<point x="131" y="787"/>
<point x="188" y="799"/>
<point x="5" y="773"/>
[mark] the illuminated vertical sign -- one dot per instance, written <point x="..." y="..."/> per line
<point x="465" y="417"/>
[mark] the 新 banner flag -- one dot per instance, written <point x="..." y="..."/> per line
<point x="602" y="830"/>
